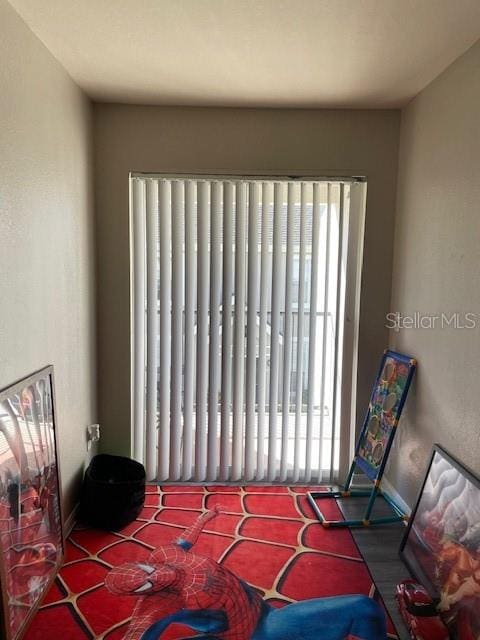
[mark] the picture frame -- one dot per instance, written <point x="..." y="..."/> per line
<point x="32" y="544"/>
<point x="441" y="546"/>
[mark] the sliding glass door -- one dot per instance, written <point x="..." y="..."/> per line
<point x="244" y="305"/>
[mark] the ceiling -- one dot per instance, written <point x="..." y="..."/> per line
<point x="254" y="53"/>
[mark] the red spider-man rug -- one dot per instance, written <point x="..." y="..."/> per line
<point x="266" y="536"/>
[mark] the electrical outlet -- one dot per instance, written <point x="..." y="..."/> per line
<point x="93" y="434"/>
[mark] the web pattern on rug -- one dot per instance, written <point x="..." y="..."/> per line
<point x="268" y="536"/>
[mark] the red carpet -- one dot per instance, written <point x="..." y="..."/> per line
<point x="267" y="536"/>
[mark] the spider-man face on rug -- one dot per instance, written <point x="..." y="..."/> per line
<point x="178" y="586"/>
<point x="141" y="578"/>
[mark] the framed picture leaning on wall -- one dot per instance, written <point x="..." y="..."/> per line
<point x="441" y="546"/>
<point x="31" y="538"/>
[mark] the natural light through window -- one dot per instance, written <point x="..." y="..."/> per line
<point x="239" y="303"/>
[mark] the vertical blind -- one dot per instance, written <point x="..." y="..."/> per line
<point x="238" y="310"/>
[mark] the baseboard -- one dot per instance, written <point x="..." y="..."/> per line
<point x="395" y="496"/>
<point x="70" y="521"/>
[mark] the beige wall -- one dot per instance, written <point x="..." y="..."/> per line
<point x="130" y="138"/>
<point x="437" y="269"/>
<point x="46" y="257"/>
<point x="46" y="246"/>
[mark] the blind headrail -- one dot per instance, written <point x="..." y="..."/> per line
<point x="229" y="177"/>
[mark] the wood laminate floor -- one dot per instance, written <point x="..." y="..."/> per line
<point x="379" y="546"/>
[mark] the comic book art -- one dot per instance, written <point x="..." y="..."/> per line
<point x="178" y="586"/>
<point x="442" y="543"/>
<point x="30" y="523"/>
<point x="384" y="411"/>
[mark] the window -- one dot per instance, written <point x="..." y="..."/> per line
<point x="240" y="290"/>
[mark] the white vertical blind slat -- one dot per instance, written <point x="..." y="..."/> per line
<point x="138" y="237"/>
<point x="287" y="335"/>
<point x="262" y="330"/>
<point x="300" y="334"/>
<point x="176" y="386"/>
<point x="202" y="333"/>
<point x="215" y="301"/>
<point x="153" y="326"/>
<point x="250" y="460"/>
<point x="326" y="311"/>
<point x="353" y="231"/>
<point x="275" y="332"/>
<point x="226" y="395"/>
<point x="165" y="235"/>
<point x="190" y="289"/>
<point x="337" y="323"/>
<point x="312" y="330"/>
<point x="239" y="333"/>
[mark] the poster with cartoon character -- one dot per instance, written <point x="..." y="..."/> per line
<point x="386" y="404"/>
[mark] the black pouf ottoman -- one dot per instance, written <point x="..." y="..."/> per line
<point x="113" y="492"/>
